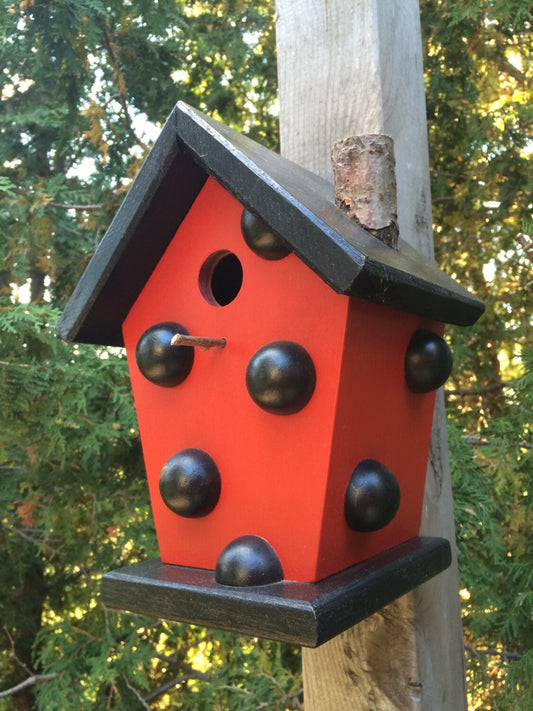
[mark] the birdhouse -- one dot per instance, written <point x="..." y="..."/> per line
<point x="284" y="365"/>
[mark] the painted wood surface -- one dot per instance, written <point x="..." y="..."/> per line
<point x="296" y="204"/>
<point x="288" y="483"/>
<point x="349" y="68"/>
<point x="300" y="613"/>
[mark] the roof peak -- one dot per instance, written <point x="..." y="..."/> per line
<point x="294" y="202"/>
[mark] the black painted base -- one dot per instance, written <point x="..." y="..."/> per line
<point x="306" y="614"/>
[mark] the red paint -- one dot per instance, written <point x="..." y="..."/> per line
<point x="283" y="477"/>
<point x="377" y="417"/>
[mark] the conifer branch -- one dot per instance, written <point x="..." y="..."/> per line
<point x="16" y="365"/>
<point x="491" y="387"/>
<point x="505" y="656"/>
<point x="193" y="676"/>
<point x="478" y="442"/>
<point x="60" y="205"/>
<point x="526" y="245"/>
<point x="14" y="654"/>
<point x="177" y="656"/>
<point x="290" y="701"/>
<point x="108" y="45"/>
<point x="134" y="692"/>
<point x="31" y="540"/>
<point x="30" y="681"/>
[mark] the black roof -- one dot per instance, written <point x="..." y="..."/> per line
<point x="294" y="202"/>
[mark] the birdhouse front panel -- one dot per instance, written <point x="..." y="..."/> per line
<point x="272" y="465"/>
<point x="279" y="475"/>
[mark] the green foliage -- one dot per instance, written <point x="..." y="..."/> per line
<point x="84" y="86"/>
<point x="478" y="74"/>
<point x="81" y="83"/>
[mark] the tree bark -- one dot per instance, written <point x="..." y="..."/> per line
<point x="349" y="68"/>
<point x="365" y="184"/>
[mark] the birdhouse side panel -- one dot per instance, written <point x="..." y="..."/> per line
<point x="381" y="427"/>
<point x="272" y="467"/>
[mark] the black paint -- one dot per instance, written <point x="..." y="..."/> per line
<point x="160" y="362"/>
<point x="190" y="483"/>
<point x="295" y="204"/>
<point x="307" y="614"/>
<point x="261" y="238"/>
<point x="281" y="377"/>
<point x="248" y="561"/>
<point x="428" y="362"/>
<point x="156" y="204"/>
<point x="372" y="497"/>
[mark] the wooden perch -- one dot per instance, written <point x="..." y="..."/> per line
<point x="365" y="184"/>
<point x="203" y="342"/>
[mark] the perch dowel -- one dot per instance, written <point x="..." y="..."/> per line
<point x="203" y="342"/>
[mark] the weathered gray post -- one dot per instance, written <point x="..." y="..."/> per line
<point x="350" y="67"/>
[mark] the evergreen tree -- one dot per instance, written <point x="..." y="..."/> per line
<point x="84" y="86"/>
<point x="478" y="72"/>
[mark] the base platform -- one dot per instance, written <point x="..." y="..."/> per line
<point x="306" y="614"/>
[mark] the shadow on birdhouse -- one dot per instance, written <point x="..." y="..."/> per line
<point x="284" y="365"/>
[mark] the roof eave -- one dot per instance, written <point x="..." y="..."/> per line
<point x="294" y="202"/>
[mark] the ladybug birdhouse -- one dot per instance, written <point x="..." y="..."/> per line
<point x="284" y="365"/>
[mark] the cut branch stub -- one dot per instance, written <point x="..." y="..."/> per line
<point x="365" y="184"/>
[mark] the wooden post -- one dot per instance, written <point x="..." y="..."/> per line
<point x="347" y="68"/>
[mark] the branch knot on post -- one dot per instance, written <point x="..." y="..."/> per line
<point x="365" y="184"/>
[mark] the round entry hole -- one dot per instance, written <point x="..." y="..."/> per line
<point x="221" y="278"/>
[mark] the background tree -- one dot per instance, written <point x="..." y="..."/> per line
<point x="478" y="69"/>
<point x="84" y="85"/>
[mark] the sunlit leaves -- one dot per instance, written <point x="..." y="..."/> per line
<point x="84" y="88"/>
<point x="478" y="77"/>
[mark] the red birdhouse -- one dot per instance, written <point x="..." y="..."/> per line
<point x="284" y="365"/>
